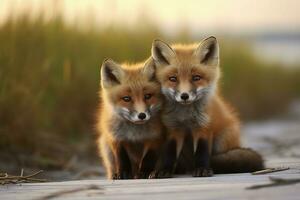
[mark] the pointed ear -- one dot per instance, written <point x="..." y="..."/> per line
<point x="208" y="51"/>
<point x="111" y="73"/>
<point x="162" y="52"/>
<point x="149" y="69"/>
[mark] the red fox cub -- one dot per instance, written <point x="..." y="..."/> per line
<point x="129" y="124"/>
<point x="189" y="76"/>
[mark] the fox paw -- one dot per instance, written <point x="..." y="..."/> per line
<point x="122" y="175"/>
<point x="203" y="172"/>
<point x="161" y="174"/>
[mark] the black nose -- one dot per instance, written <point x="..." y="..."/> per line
<point x="142" y="116"/>
<point x="184" y="96"/>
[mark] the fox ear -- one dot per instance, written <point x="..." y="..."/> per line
<point x="208" y="51"/>
<point x="111" y="73"/>
<point x="149" y="69"/>
<point x="162" y="52"/>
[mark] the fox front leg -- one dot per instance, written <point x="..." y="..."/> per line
<point x="148" y="163"/>
<point x="202" y="157"/>
<point x="169" y="156"/>
<point x="122" y="162"/>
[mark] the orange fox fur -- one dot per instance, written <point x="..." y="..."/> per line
<point x="129" y="142"/>
<point x="189" y="76"/>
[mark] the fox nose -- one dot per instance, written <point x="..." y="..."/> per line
<point x="184" y="96"/>
<point x="142" y="116"/>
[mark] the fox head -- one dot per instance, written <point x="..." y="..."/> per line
<point x="187" y="73"/>
<point x="131" y="90"/>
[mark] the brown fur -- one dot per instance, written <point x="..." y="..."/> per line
<point x="239" y="160"/>
<point x="114" y="130"/>
<point x="222" y="127"/>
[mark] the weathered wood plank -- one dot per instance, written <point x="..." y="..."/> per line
<point x="232" y="186"/>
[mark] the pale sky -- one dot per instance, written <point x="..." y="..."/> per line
<point x="171" y="15"/>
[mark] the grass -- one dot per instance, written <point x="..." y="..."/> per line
<point x="49" y="78"/>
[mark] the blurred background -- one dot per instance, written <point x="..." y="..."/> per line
<point x="51" y="52"/>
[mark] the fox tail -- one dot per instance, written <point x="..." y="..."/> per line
<point x="239" y="160"/>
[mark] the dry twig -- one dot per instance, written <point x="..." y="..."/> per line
<point x="270" y="170"/>
<point x="10" y="179"/>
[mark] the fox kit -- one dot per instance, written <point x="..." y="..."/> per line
<point x="189" y="76"/>
<point x="129" y="124"/>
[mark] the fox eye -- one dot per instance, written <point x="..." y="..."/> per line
<point x="126" y="98"/>
<point x="196" y="78"/>
<point x="173" y="78"/>
<point x="148" y="96"/>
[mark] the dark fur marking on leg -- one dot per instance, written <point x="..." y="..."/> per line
<point x="202" y="159"/>
<point x="123" y="164"/>
<point x="148" y="164"/>
<point x="185" y="163"/>
<point x="167" y="161"/>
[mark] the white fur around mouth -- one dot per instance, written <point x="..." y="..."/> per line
<point x="140" y="122"/>
<point x="185" y="102"/>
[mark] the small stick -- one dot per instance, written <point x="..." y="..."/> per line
<point x="6" y="179"/>
<point x="3" y="175"/>
<point x="21" y="177"/>
<point x="270" y="170"/>
<point x="36" y="180"/>
<point x="34" y="174"/>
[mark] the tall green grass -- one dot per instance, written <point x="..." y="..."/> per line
<point x="49" y="78"/>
